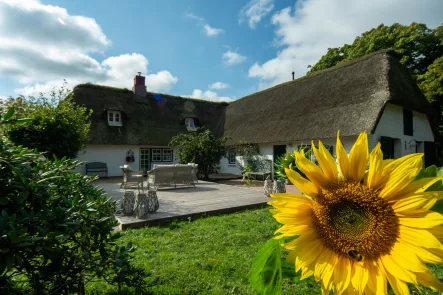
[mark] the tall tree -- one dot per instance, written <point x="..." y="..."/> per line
<point x="420" y="49"/>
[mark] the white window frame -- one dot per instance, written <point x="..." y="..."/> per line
<point x="190" y="124"/>
<point x="114" y="118"/>
<point x="232" y="157"/>
<point x="145" y="159"/>
<point x="169" y="152"/>
<point x="155" y="153"/>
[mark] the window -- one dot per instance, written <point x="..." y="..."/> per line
<point x="408" y="128"/>
<point x="167" y="155"/>
<point x="156" y="155"/>
<point x="387" y="147"/>
<point x="144" y="160"/>
<point x="190" y="125"/>
<point x="231" y="157"/>
<point x="114" y="118"/>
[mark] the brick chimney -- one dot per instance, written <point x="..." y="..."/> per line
<point x="139" y="87"/>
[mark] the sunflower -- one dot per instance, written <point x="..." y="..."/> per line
<point x="360" y="228"/>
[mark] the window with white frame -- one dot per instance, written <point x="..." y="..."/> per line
<point x="190" y="125"/>
<point x="114" y="118"/>
<point x="167" y="155"/>
<point x="156" y="155"/>
<point x="144" y="159"/>
<point x="231" y="157"/>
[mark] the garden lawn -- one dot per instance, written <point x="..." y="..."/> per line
<point x="210" y="255"/>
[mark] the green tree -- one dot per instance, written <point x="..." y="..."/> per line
<point x="420" y="49"/>
<point x="201" y="147"/>
<point x="58" y="127"/>
<point x="56" y="227"/>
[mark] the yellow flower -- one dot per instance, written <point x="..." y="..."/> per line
<point x="359" y="228"/>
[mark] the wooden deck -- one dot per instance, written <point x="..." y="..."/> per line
<point x="207" y="198"/>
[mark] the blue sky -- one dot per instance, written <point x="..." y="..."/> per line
<point x="218" y="50"/>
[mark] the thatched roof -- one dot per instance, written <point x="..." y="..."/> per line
<point x="349" y="97"/>
<point x="150" y="120"/>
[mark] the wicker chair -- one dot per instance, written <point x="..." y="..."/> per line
<point x="131" y="177"/>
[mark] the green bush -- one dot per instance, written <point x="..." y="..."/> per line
<point x="201" y="147"/>
<point x="56" y="228"/>
<point x="58" y="126"/>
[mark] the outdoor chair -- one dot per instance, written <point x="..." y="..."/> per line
<point x="131" y="177"/>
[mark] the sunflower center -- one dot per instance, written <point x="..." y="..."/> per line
<point x="351" y="219"/>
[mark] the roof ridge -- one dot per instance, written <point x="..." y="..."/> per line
<point x="331" y="69"/>
<point x="126" y="90"/>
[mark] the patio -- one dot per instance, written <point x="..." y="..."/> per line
<point x="206" y="198"/>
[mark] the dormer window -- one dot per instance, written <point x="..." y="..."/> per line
<point x="190" y="124"/>
<point x="114" y="118"/>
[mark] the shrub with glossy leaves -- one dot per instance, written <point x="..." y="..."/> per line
<point x="56" y="228"/>
<point x="57" y="125"/>
<point x="201" y="147"/>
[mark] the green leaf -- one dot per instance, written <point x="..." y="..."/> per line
<point x="431" y="171"/>
<point x="75" y="201"/>
<point x="265" y="275"/>
<point x="9" y="114"/>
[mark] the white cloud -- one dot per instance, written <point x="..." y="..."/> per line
<point x="219" y="86"/>
<point x="307" y="30"/>
<point x="195" y="17"/>
<point x="209" y="95"/>
<point x="231" y="58"/>
<point x="255" y="10"/>
<point x="161" y="82"/>
<point x="44" y="45"/>
<point x="210" y="31"/>
<point x="207" y="29"/>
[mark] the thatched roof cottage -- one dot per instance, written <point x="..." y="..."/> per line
<point x="374" y="94"/>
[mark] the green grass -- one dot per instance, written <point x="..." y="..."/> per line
<point x="208" y="255"/>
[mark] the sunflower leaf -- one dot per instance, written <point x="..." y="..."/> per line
<point x="265" y="275"/>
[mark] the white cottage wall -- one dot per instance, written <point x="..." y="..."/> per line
<point x="115" y="156"/>
<point x="391" y="125"/>
<point x="267" y="150"/>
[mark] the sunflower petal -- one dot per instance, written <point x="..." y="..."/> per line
<point x="359" y="278"/>
<point x="312" y="171"/>
<point x="327" y="282"/>
<point x="435" y="257"/>
<point x="326" y="161"/>
<point x="430" y="220"/>
<point x="292" y="230"/>
<point x="437" y="232"/>
<point x="427" y="279"/>
<point x="358" y="157"/>
<point x="343" y="159"/>
<point x="401" y="176"/>
<point x="420" y="201"/>
<point x="395" y="270"/>
<point x="323" y="260"/>
<point x="342" y="275"/>
<point x="304" y="185"/>
<point x="406" y="259"/>
<point x="307" y="252"/>
<point x="417" y="186"/>
<point x="419" y="237"/>
<point x="381" y="281"/>
<point x="399" y="287"/>
<point x="375" y="168"/>
<point x="285" y="218"/>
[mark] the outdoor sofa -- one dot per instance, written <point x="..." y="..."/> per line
<point x="171" y="175"/>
